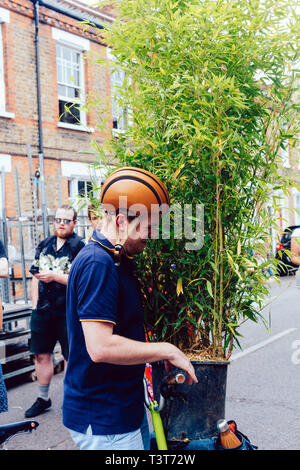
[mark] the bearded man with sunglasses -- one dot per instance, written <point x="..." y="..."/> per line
<point x="50" y="271"/>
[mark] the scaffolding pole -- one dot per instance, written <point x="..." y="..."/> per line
<point x="21" y="236"/>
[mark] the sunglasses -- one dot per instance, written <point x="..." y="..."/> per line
<point x="64" y="221"/>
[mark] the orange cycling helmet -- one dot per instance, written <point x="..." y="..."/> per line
<point x="131" y="186"/>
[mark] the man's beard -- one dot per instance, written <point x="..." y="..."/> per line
<point x="63" y="235"/>
<point x="133" y="248"/>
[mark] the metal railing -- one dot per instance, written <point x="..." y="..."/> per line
<point x="22" y="233"/>
<point x="17" y="236"/>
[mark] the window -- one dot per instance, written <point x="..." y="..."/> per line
<point x="119" y="113"/>
<point x="285" y="149"/>
<point x="285" y="155"/>
<point x="70" y="79"/>
<point x="4" y="18"/>
<point x="79" y="187"/>
<point x="70" y="85"/>
<point x="81" y="178"/>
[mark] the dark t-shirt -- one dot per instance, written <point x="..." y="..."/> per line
<point x="108" y="397"/>
<point x="2" y="250"/>
<point x="52" y="295"/>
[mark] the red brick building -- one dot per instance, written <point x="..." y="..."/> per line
<point x="45" y="50"/>
<point x="47" y="74"/>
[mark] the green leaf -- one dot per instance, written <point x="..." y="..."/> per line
<point x="209" y="288"/>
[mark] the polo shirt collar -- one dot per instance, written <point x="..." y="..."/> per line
<point x="99" y="237"/>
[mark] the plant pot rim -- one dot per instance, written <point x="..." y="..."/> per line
<point x="202" y="361"/>
<point x="210" y="361"/>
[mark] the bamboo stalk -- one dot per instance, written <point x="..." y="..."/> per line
<point x="216" y="257"/>
<point x="221" y="287"/>
<point x="221" y="249"/>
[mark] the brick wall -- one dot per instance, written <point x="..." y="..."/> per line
<point x="21" y="99"/>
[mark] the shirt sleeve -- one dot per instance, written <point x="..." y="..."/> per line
<point x="35" y="265"/>
<point x="2" y="251"/>
<point x="81" y="245"/>
<point x="97" y="292"/>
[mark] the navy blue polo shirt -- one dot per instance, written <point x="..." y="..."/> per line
<point x="108" y="397"/>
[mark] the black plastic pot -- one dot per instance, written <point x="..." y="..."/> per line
<point x="193" y="410"/>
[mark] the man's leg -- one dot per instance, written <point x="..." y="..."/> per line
<point x="135" y="440"/>
<point x="44" y="368"/>
<point x="62" y="337"/>
<point x="145" y="432"/>
<point x="44" y="371"/>
<point x="42" y="343"/>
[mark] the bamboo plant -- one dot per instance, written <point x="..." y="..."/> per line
<point x="208" y="90"/>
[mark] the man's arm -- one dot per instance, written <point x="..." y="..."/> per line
<point x="295" y="248"/>
<point x="104" y="346"/>
<point x="34" y="292"/>
<point x="3" y="267"/>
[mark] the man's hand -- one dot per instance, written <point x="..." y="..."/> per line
<point x="182" y="362"/>
<point x="295" y="251"/>
<point x="46" y="276"/>
<point x="51" y="276"/>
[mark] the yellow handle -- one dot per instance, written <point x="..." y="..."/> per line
<point x="158" y="428"/>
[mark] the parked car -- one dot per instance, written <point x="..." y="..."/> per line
<point x="286" y="267"/>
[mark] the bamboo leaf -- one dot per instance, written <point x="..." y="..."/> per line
<point x="239" y="248"/>
<point x="179" y="289"/>
<point x="178" y="171"/>
<point x="209" y="288"/>
<point x="211" y="124"/>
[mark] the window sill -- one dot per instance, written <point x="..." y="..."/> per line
<point x="116" y="132"/>
<point x="74" y="127"/>
<point x="7" y="115"/>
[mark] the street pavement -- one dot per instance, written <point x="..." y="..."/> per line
<point x="262" y="387"/>
<point x="263" y="381"/>
<point x="50" y="434"/>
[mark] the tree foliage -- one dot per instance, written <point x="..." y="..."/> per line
<point x="209" y="94"/>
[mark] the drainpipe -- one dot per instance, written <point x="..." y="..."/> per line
<point x="37" y="4"/>
<point x="40" y="124"/>
<point x="38" y="81"/>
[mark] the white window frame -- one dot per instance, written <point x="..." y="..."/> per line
<point x="285" y="152"/>
<point x="120" y="114"/>
<point x="285" y="156"/>
<point x="79" y="45"/>
<point x="79" y="87"/>
<point x="4" y="18"/>
<point x="78" y="171"/>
